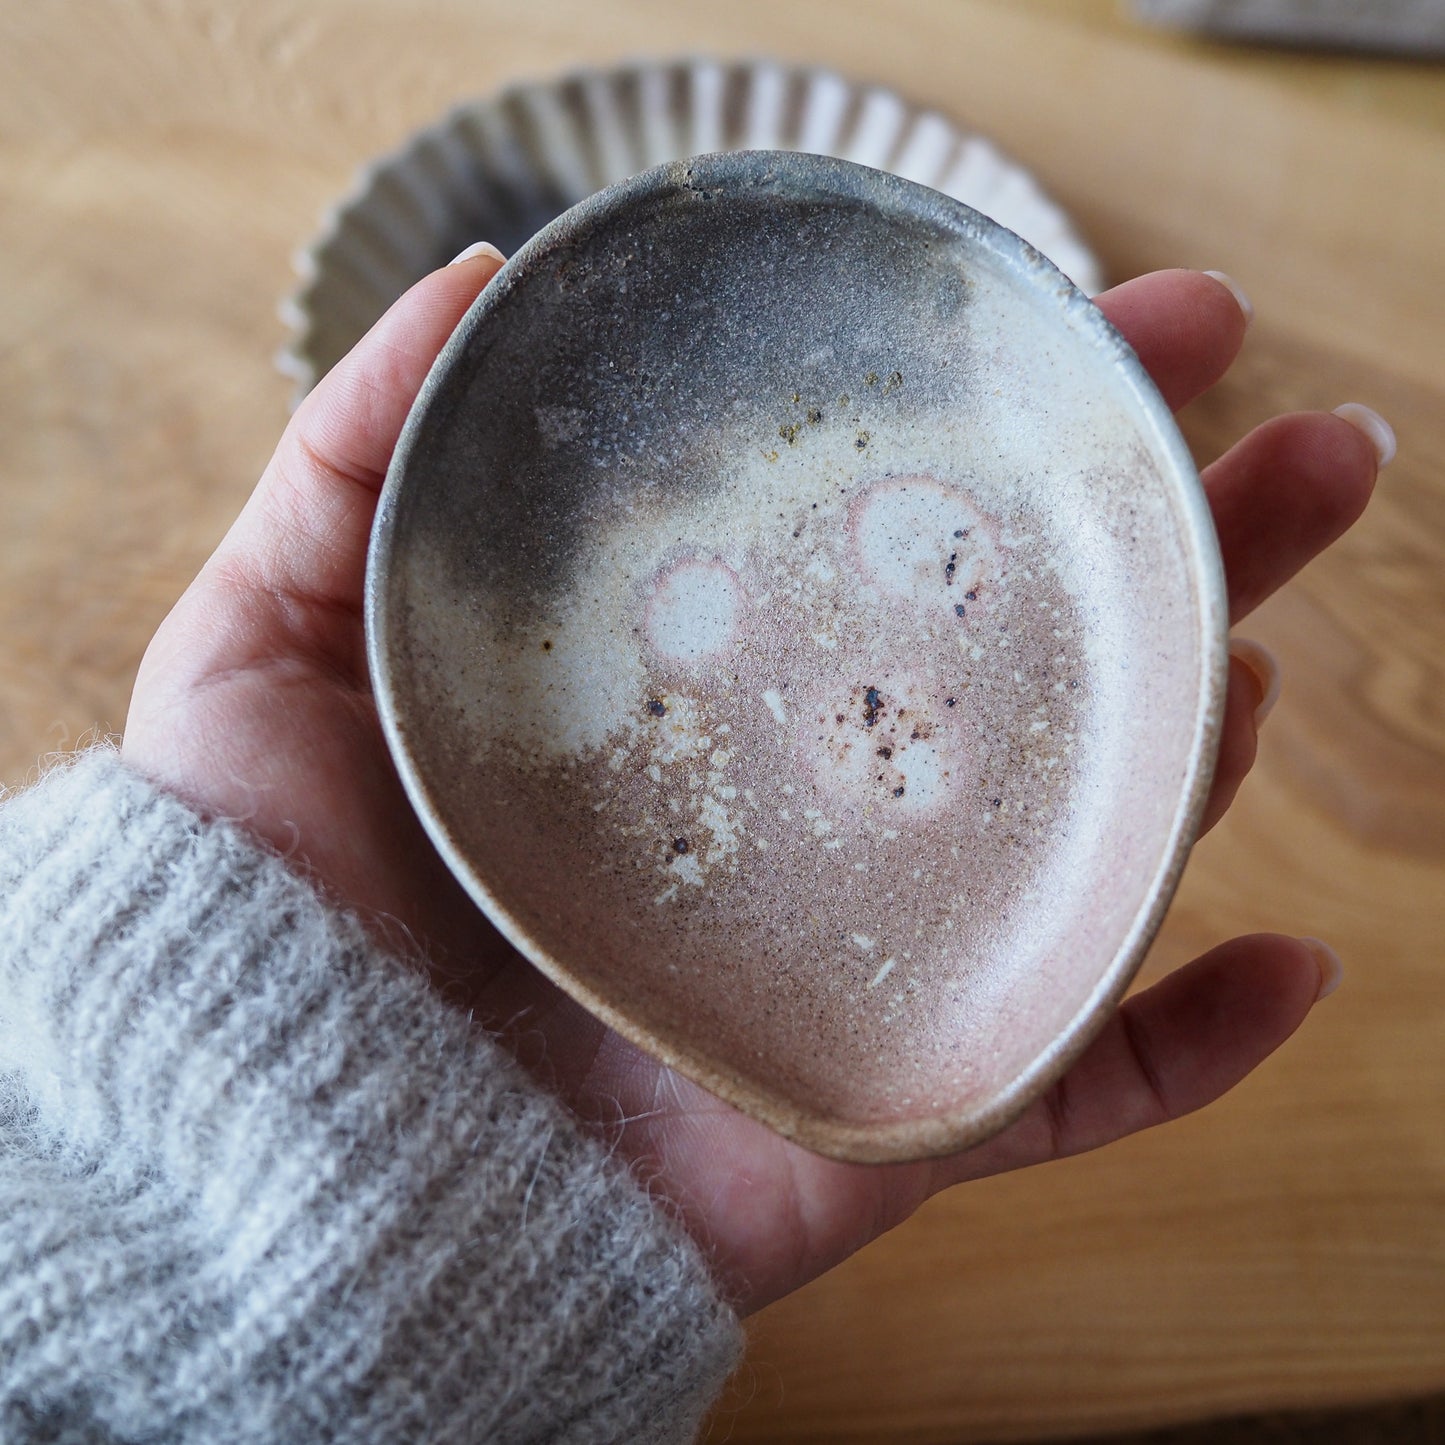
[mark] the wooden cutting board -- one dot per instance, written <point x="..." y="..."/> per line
<point x="159" y="162"/>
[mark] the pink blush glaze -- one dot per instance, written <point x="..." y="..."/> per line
<point x="920" y="541"/>
<point x="692" y="611"/>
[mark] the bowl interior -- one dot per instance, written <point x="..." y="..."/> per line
<point x="798" y="623"/>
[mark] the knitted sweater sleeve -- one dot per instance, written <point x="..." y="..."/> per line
<point x="258" y="1183"/>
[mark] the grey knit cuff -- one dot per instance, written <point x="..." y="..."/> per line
<point x="257" y="1183"/>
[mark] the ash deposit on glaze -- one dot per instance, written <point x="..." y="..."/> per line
<point x="795" y="638"/>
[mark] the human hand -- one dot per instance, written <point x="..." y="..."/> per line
<point x="254" y="702"/>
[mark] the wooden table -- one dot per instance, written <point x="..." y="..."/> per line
<point x="159" y="162"/>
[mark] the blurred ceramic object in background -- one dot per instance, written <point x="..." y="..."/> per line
<point x="1401" y="27"/>
<point x="499" y="169"/>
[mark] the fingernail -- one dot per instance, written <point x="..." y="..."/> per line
<point x="1332" y="970"/>
<point x="1261" y="662"/>
<point x="1245" y="304"/>
<point x="478" y="248"/>
<point x="1374" y="426"/>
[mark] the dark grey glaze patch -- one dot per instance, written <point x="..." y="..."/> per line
<point x="652" y="359"/>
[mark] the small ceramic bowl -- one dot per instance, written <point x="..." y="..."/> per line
<point x="798" y="623"/>
<point x="500" y="168"/>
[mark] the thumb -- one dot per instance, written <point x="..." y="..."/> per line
<point x="303" y="534"/>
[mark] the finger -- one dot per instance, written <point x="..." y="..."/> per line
<point x="1284" y="493"/>
<point x="1168" y="1051"/>
<point x="304" y="532"/>
<point x="1185" y="326"/>
<point x="1254" y="686"/>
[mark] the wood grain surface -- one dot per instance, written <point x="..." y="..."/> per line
<point x="159" y="163"/>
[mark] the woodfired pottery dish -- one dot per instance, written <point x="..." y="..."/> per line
<point x="502" y="167"/>
<point x="799" y="624"/>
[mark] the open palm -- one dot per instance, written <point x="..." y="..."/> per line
<point x="253" y="702"/>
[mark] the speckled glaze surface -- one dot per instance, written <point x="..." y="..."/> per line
<point x="799" y="624"/>
<point x="500" y="168"/>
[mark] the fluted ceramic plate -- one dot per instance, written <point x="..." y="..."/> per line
<point x="798" y="623"/>
<point x="500" y="169"/>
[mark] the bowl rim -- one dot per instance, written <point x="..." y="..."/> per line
<point x="801" y="176"/>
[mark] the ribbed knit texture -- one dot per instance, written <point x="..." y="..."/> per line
<point x="258" y="1183"/>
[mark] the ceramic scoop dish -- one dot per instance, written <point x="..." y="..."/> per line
<point x="799" y="624"/>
